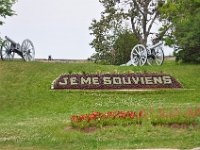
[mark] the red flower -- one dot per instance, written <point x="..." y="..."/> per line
<point x="140" y="114"/>
<point x="110" y="114"/>
<point x="91" y="116"/>
<point x="82" y="117"/>
<point x="96" y="113"/>
<point x="74" y="118"/>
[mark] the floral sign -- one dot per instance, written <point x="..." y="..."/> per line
<point x="115" y="81"/>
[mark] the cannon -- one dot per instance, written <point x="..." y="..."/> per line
<point x="151" y="55"/>
<point x="9" y="47"/>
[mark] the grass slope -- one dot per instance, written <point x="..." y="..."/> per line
<point x="34" y="117"/>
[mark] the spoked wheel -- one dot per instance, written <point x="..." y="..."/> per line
<point x="6" y="51"/>
<point x="138" y="55"/>
<point x="156" y="57"/>
<point x="28" y="50"/>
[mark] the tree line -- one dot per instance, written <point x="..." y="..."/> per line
<point x="125" y="23"/>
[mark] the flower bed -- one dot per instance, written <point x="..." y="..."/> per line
<point x="115" y="81"/>
<point x="163" y="116"/>
<point x="98" y="119"/>
<point x="160" y="116"/>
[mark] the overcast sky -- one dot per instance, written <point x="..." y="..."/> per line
<point x="56" y="27"/>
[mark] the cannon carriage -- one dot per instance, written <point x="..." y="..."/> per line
<point x="9" y="48"/>
<point x="152" y="55"/>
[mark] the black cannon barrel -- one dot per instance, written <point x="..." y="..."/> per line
<point x="9" y="39"/>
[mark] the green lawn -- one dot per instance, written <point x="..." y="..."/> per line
<point x="32" y="116"/>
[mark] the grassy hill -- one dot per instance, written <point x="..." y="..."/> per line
<point x="34" y="116"/>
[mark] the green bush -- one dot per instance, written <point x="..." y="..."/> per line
<point x="189" y="55"/>
<point x="184" y="16"/>
<point x="123" y="46"/>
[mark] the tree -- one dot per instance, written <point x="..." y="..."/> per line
<point x="123" y="46"/>
<point x="143" y="14"/>
<point x="105" y="30"/>
<point x="139" y="14"/>
<point x="6" y="9"/>
<point x="184" y="17"/>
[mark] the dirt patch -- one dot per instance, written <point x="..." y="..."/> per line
<point x="173" y="125"/>
<point x="85" y="130"/>
<point x="178" y="126"/>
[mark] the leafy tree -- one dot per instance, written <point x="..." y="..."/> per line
<point x="184" y="17"/>
<point x="142" y="15"/>
<point x="139" y="14"/>
<point x="123" y="46"/>
<point x="6" y="9"/>
<point x="105" y="30"/>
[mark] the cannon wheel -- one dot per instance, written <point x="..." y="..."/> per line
<point x="138" y="55"/>
<point x="156" y="57"/>
<point x="28" y="50"/>
<point x="6" y="52"/>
